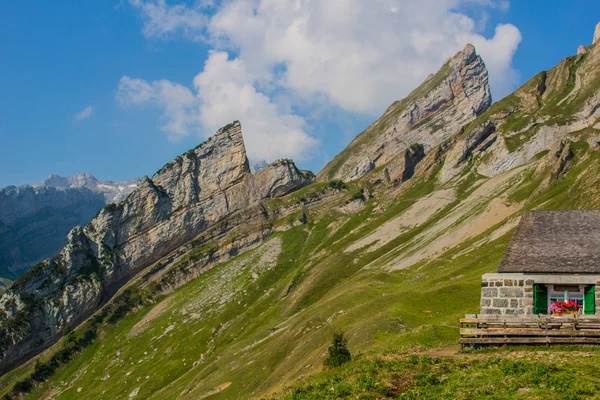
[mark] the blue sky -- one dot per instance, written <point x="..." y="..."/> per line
<point x="118" y="88"/>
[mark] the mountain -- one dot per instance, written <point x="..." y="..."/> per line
<point x="113" y="191"/>
<point x="247" y="306"/>
<point x="35" y="220"/>
<point x="4" y="284"/>
<point x="429" y="115"/>
<point x="262" y="164"/>
<point x="186" y="197"/>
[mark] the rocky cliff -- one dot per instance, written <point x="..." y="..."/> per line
<point x="393" y="259"/>
<point x="429" y="115"/>
<point x="183" y="199"/>
<point x="563" y="102"/>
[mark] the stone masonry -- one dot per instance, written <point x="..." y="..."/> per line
<point x="507" y="296"/>
<point x="512" y="293"/>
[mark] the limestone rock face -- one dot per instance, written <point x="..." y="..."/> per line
<point x="476" y="141"/>
<point x="596" y="34"/>
<point x="183" y="199"/>
<point x="433" y="112"/>
<point x="553" y="106"/>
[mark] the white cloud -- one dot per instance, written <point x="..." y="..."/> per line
<point x="361" y="55"/>
<point x="84" y="114"/>
<point x="356" y="55"/>
<point x="162" y="20"/>
<point x="224" y="91"/>
<point x="177" y="101"/>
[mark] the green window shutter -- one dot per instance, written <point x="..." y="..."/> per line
<point x="540" y="299"/>
<point x="589" y="306"/>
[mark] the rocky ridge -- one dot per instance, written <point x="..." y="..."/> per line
<point x="429" y="115"/>
<point x="398" y="268"/>
<point x="183" y="199"/>
<point x="561" y="103"/>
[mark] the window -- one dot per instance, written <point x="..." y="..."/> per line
<point x="544" y="295"/>
<point x="566" y="293"/>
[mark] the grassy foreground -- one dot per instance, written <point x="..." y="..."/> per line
<point x="501" y="374"/>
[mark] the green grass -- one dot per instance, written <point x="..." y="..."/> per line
<point x="524" y="376"/>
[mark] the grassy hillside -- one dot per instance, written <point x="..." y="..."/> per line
<point x="398" y="273"/>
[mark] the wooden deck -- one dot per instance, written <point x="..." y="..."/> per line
<point x="492" y="330"/>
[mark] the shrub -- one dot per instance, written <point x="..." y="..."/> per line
<point x="338" y="351"/>
<point x="337" y="184"/>
<point x="112" y="207"/>
<point x="357" y="195"/>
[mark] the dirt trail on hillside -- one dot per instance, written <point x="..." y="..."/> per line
<point x="446" y="352"/>
<point x="414" y="216"/>
<point x="216" y="390"/>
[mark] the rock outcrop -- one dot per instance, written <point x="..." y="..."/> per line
<point x="555" y="105"/>
<point x="596" y="34"/>
<point x="187" y="196"/>
<point x="429" y="115"/>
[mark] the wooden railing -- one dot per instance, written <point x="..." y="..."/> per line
<point x="492" y="330"/>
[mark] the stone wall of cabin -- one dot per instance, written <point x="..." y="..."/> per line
<point x="506" y="296"/>
<point x="512" y="293"/>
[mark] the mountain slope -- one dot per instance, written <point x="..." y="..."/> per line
<point x="392" y="264"/>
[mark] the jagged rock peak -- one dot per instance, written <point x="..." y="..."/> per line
<point x="597" y="34"/>
<point x="467" y="54"/>
<point x="437" y="109"/>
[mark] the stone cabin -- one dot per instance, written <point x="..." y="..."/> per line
<point x="553" y="256"/>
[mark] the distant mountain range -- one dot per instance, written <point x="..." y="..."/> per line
<point x="113" y="191"/>
<point x="262" y="164"/>
<point x="35" y="220"/>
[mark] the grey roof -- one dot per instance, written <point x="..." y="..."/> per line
<point x="555" y="242"/>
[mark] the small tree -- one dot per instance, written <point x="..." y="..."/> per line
<point x="338" y="351"/>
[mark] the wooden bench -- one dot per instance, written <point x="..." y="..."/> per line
<point x="488" y="330"/>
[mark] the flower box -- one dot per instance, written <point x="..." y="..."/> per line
<point x="564" y="307"/>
